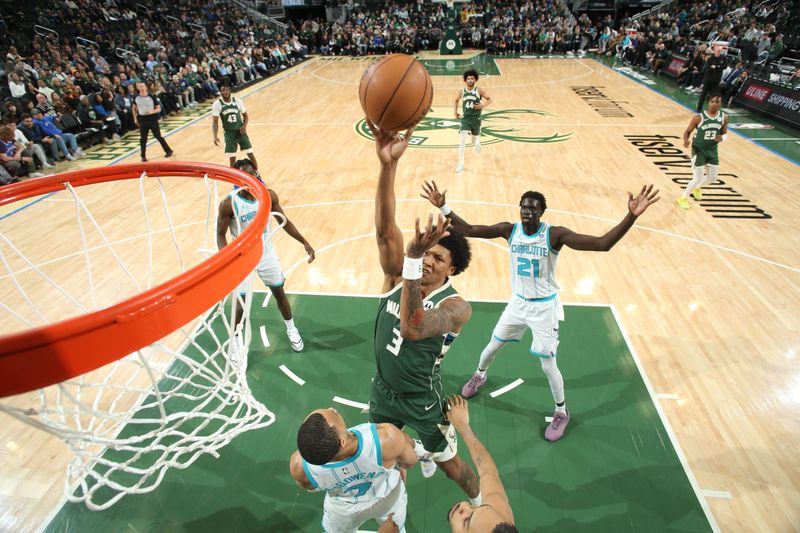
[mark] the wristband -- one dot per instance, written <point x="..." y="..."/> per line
<point x="724" y="136"/>
<point x="412" y="268"/>
<point x="445" y="209"/>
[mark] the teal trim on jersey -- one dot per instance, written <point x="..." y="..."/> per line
<point x="242" y="198"/>
<point x="549" y="247"/>
<point x="504" y="340"/>
<point x="378" y="453"/>
<point x="513" y="231"/>
<point x="538" y="231"/>
<point x="545" y="299"/>
<point x="308" y="474"/>
<point x="542" y="355"/>
<point x="276" y="286"/>
<point x="354" y="456"/>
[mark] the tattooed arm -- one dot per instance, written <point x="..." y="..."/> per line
<point x="416" y="323"/>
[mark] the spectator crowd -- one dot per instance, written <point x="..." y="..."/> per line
<point x="67" y="90"/>
<point x="71" y="88"/>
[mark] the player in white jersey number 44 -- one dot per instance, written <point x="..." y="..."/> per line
<point x="534" y="304"/>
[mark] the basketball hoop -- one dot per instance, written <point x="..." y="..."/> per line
<point x="157" y="379"/>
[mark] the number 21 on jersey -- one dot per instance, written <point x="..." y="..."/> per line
<point x="527" y="268"/>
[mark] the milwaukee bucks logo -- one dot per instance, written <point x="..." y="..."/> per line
<point x="516" y="125"/>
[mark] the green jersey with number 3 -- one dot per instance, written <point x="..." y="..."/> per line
<point x="410" y="366"/>
<point x="231" y="115"/>
<point x="707" y="130"/>
<point x="468" y="101"/>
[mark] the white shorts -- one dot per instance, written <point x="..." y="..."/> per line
<point x="343" y="517"/>
<point x="268" y="269"/>
<point x="541" y="317"/>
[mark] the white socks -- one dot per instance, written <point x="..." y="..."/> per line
<point x="697" y="181"/>
<point x="289" y="324"/>
<point x="476" y="142"/>
<point x="554" y="378"/>
<point x="461" y="146"/>
<point x="477" y="500"/>
<point x="488" y="355"/>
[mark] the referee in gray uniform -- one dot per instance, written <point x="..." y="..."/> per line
<point x="145" y="115"/>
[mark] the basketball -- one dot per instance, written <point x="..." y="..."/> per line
<point x="396" y="92"/>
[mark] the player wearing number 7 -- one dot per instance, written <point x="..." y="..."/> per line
<point x="233" y="114"/>
<point x="534" y="303"/>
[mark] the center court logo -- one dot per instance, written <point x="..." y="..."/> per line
<point x="516" y="125"/>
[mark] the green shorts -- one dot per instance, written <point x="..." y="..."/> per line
<point x="235" y="140"/>
<point x="704" y="156"/>
<point x="471" y="124"/>
<point x="424" y="413"/>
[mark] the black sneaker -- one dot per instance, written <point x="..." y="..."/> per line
<point x="169" y="154"/>
<point x="144" y="159"/>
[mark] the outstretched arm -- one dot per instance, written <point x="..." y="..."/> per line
<point x="431" y="192"/>
<point x="224" y="217"/>
<point x="692" y="125"/>
<point x="494" y="494"/>
<point x="289" y="226"/>
<point x="298" y="472"/>
<point x="389" y="147"/>
<point x="561" y="236"/>
<point x="416" y="323"/>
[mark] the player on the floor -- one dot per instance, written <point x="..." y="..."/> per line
<point x="356" y="469"/>
<point x="420" y="315"/>
<point x="236" y="212"/>
<point x="232" y="112"/>
<point x="534" y="303"/>
<point x="473" y="100"/>
<point x="712" y="129"/>
<point x="495" y="514"/>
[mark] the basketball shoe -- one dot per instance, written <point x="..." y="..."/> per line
<point x="697" y="192"/>
<point x="471" y="387"/>
<point x="683" y="203"/>
<point x="557" y="426"/>
<point x="295" y="339"/>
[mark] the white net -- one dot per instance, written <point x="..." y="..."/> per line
<point x="166" y="404"/>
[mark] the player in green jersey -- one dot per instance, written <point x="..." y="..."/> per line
<point x="233" y="114"/>
<point x="419" y="316"/>
<point x="712" y="128"/>
<point x="473" y="100"/>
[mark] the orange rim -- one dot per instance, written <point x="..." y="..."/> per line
<point x="56" y="352"/>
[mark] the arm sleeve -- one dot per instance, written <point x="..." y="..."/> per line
<point x="240" y="103"/>
<point x="216" y="108"/>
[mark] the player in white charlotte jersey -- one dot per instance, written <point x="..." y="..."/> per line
<point x="534" y="304"/>
<point x="358" y="468"/>
<point x="236" y="212"/>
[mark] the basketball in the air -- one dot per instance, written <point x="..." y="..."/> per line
<point x="396" y="92"/>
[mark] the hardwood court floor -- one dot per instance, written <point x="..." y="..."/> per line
<point x="709" y="297"/>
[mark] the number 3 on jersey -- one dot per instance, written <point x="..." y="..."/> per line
<point x="524" y="267"/>
<point x="397" y="342"/>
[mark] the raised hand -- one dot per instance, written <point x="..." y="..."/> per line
<point x="389" y="144"/>
<point x="458" y="412"/>
<point x="424" y="241"/>
<point x="646" y="197"/>
<point x="432" y="194"/>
